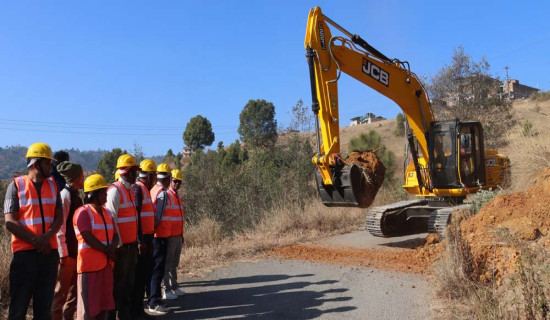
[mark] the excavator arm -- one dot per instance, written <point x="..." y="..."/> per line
<point x="327" y="57"/>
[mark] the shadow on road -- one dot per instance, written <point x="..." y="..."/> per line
<point x="242" y="280"/>
<point x="406" y="244"/>
<point x="252" y="298"/>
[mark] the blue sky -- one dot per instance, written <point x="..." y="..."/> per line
<point x="104" y="74"/>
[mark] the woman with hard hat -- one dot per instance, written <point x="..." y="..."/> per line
<point x="97" y="242"/>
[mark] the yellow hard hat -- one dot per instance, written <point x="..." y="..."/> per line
<point x="176" y="174"/>
<point x="117" y="174"/>
<point x="39" y="150"/>
<point x="94" y="182"/>
<point x="148" y="165"/>
<point x="164" y="168"/>
<point x="126" y="160"/>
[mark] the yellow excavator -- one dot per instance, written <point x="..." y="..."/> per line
<point x="448" y="159"/>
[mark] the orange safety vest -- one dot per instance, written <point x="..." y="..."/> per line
<point x="177" y="218"/>
<point x="127" y="215"/>
<point x="29" y="215"/>
<point x="90" y="259"/>
<point x="163" y="227"/>
<point x="147" y="210"/>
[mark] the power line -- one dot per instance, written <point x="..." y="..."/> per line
<point x="97" y="126"/>
<point x="148" y="133"/>
<point x="93" y="133"/>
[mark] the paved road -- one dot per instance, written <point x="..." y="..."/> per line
<point x="363" y="240"/>
<point x="274" y="289"/>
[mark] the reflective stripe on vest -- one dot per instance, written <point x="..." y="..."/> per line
<point x="127" y="215"/>
<point x="177" y="216"/>
<point x="86" y="246"/>
<point x="163" y="228"/>
<point x="147" y="214"/>
<point x="29" y="215"/>
<point x="90" y="259"/>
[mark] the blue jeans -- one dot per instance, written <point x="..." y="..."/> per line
<point x="32" y="275"/>
<point x="159" y="263"/>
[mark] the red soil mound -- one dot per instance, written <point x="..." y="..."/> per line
<point x="494" y="231"/>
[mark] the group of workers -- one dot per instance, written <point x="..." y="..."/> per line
<point x="99" y="256"/>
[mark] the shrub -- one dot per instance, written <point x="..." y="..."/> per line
<point x="541" y="96"/>
<point x="399" y="130"/>
<point x="480" y="198"/>
<point x="238" y="187"/>
<point x="527" y="129"/>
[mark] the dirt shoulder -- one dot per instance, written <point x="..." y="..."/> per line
<point x="402" y="254"/>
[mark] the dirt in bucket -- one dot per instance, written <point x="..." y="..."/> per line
<point x="373" y="171"/>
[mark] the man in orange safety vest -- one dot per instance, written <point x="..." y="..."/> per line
<point x="33" y="215"/>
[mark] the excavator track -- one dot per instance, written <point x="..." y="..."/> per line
<point x="439" y="219"/>
<point x="377" y="217"/>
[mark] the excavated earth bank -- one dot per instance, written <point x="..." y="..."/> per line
<point x="508" y="220"/>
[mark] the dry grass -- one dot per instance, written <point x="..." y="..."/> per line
<point x="206" y="232"/>
<point x="532" y="155"/>
<point x="284" y="226"/>
<point x="522" y="296"/>
<point x="540" y="96"/>
<point x="529" y="154"/>
<point x="454" y="270"/>
<point x="461" y="297"/>
<point x="5" y="260"/>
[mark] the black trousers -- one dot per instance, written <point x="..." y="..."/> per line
<point x="32" y="275"/>
<point x="144" y="270"/>
<point x="159" y="263"/>
<point x="124" y="276"/>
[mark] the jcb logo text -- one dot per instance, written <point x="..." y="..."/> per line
<point x="376" y="72"/>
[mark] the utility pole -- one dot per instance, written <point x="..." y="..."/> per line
<point x="507" y="80"/>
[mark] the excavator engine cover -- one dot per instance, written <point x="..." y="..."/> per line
<point x="353" y="187"/>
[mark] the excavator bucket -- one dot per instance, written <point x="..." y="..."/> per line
<point x="356" y="181"/>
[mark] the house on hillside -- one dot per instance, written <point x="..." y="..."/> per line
<point x="512" y="89"/>
<point x="355" y="121"/>
<point x="369" y="117"/>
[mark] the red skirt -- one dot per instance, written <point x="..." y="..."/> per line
<point x="95" y="293"/>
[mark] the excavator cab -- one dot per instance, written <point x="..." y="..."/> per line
<point x="456" y="154"/>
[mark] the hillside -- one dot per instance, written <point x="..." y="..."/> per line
<point x="521" y="149"/>
<point x="12" y="159"/>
